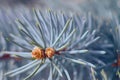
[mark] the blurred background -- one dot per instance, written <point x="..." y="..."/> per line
<point x="11" y="9"/>
<point x="102" y="8"/>
<point x="95" y="6"/>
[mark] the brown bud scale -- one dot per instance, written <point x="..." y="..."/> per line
<point x="38" y="53"/>
<point x="49" y="52"/>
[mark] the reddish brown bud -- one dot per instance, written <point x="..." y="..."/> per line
<point x="38" y="53"/>
<point x="49" y="52"/>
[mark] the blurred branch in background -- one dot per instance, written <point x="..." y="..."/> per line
<point x="101" y="7"/>
<point x="18" y="3"/>
<point x="100" y="10"/>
